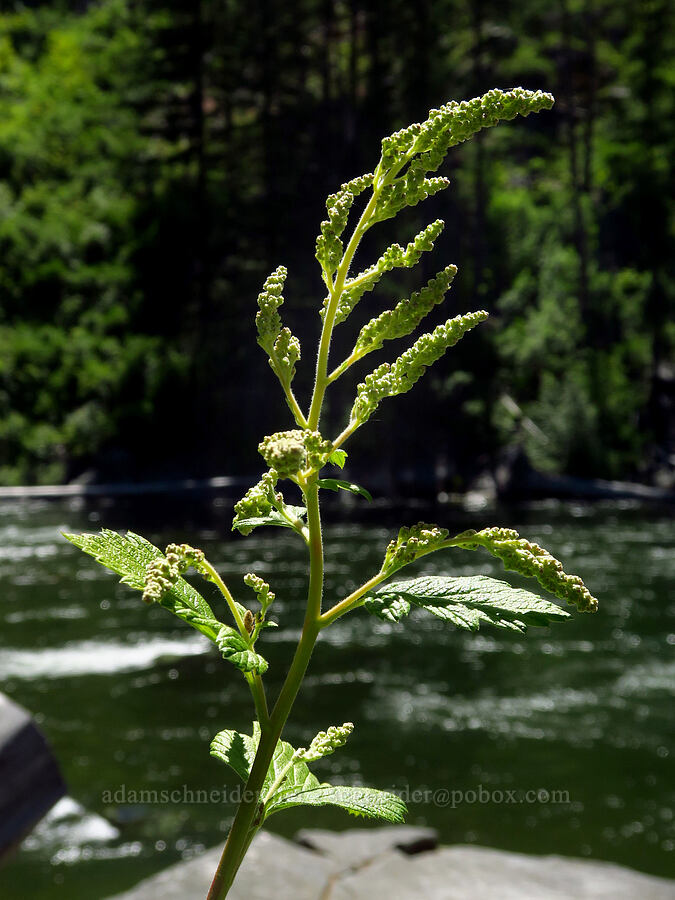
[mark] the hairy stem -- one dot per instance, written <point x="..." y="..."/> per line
<point x="249" y="815"/>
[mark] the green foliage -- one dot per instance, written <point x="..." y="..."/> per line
<point x="289" y="782"/>
<point x="338" y="484"/>
<point x="237" y="650"/>
<point x="78" y="369"/>
<point x="465" y="602"/>
<point x="131" y="556"/>
<point x="244" y="525"/>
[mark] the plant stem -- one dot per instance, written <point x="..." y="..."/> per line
<point x="259" y="698"/>
<point x="350" y="602"/>
<point x="225" y="591"/>
<point x="293" y="405"/>
<point x="248" y="818"/>
<point x="321" y="381"/>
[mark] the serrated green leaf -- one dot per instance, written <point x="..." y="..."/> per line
<point x="235" y="650"/>
<point x="235" y="750"/>
<point x="274" y="518"/>
<point x="337" y="484"/>
<point x="367" y="802"/>
<point x="129" y="556"/>
<point x="466" y="602"/>
<point x="299" y="786"/>
<point x="338" y="458"/>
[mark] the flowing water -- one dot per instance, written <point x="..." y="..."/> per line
<point x="558" y="741"/>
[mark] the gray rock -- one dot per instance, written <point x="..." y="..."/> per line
<point x="459" y="873"/>
<point x="364" y="864"/>
<point x="351" y="849"/>
<point x="273" y="867"/>
<point x="30" y="780"/>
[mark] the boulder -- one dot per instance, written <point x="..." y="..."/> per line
<point x="30" y="780"/>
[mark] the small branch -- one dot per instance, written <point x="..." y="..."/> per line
<point x="224" y="590"/>
<point x="294" y="407"/>
<point x="351" y="602"/>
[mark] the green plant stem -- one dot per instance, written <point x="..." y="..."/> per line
<point x="321" y="381"/>
<point x="254" y="681"/>
<point x="350" y="602"/>
<point x="225" y="591"/>
<point x="249" y="815"/>
<point x="293" y="405"/>
<point x="259" y="698"/>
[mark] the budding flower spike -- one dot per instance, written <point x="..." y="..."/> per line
<point x="276" y="774"/>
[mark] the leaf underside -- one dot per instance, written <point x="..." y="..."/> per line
<point x="465" y="602"/>
<point x="273" y="518"/>
<point x="300" y="787"/>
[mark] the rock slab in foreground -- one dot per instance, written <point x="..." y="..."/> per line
<point x="364" y="864"/>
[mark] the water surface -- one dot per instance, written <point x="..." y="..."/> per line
<point x="558" y="741"/>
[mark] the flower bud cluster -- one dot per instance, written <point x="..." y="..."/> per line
<point x="257" y="502"/>
<point x="359" y="184"/>
<point x="262" y="589"/>
<point x="280" y="345"/>
<point x="289" y="452"/>
<point x="284" y="355"/>
<point x="406" y="315"/>
<point x="412" y="543"/>
<point x="393" y="257"/>
<point x="163" y="572"/>
<point x="531" y="560"/>
<point x="455" y="122"/>
<point x="409" y="190"/>
<point x="329" y="247"/>
<point x="267" y="320"/>
<point x="326" y="742"/>
<point x="391" y="379"/>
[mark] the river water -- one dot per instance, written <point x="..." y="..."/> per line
<point x="557" y="741"/>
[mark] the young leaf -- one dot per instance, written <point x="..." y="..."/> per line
<point x="129" y="556"/>
<point x="465" y="601"/>
<point x="235" y="650"/>
<point x="337" y="484"/>
<point x="235" y="750"/>
<point x="290" y="783"/>
<point x="338" y="458"/>
<point x="245" y="526"/>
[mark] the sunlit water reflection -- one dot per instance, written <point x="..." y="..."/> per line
<point x="129" y="697"/>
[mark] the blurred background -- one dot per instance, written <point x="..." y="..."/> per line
<point x="157" y="161"/>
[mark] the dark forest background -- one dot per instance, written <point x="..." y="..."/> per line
<point x="159" y="159"/>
